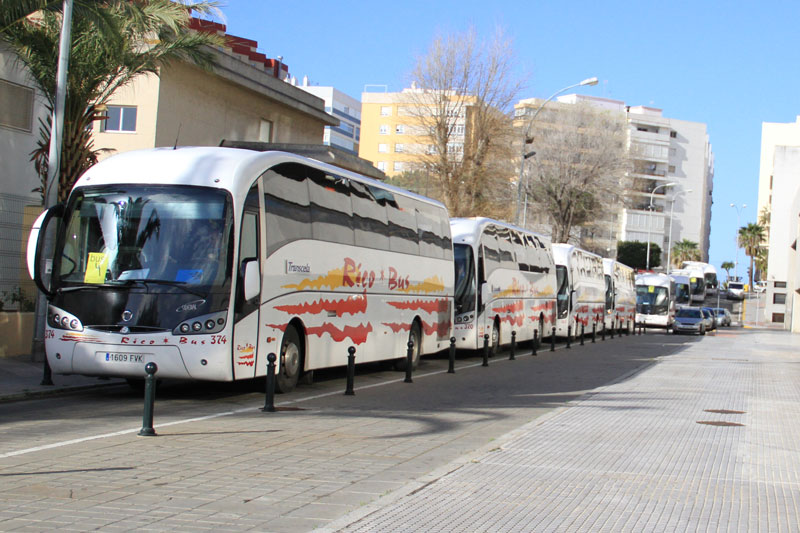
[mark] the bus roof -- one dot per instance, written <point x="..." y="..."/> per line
<point x="658" y="280"/>
<point x="562" y="253"/>
<point x="705" y="267"/>
<point x="232" y="169"/>
<point x="468" y="230"/>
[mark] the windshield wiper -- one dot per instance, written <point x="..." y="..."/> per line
<point x="168" y="283"/>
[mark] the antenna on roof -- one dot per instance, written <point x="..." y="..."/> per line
<point x="177" y="135"/>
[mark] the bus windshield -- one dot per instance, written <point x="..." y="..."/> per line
<point x="465" y="278"/>
<point x="652" y="300"/>
<point x="682" y="293"/>
<point x="150" y="235"/>
<point x="698" y="285"/>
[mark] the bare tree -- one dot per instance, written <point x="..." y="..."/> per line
<point x="460" y="99"/>
<point x="578" y="174"/>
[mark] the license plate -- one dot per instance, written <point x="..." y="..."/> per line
<point x="118" y="357"/>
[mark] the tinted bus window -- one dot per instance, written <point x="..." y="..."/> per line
<point x="447" y="241"/>
<point x="429" y="229"/>
<point x="370" y="225"/>
<point x="287" y="205"/>
<point x="507" y="256"/>
<point x="331" y="211"/>
<point x="491" y="252"/>
<point x="402" y="216"/>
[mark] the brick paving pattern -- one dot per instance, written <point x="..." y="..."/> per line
<point x="639" y="455"/>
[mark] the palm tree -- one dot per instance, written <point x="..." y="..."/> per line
<point x="727" y="266"/>
<point x="685" y="250"/>
<point x="113" y="41"/>
<point x="750" y="238"/>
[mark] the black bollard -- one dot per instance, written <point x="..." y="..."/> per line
<point x="535" y="341"/>
<point x="603" y="332"/>
<point x="594" y="331"/>
<point x="351" y="370"/>
<point x="269" y="400"/>
<point x="553" y="341"/>
<point x="511" y="356"/>
<point x="583" y="330"/>
<point x="409" y="362"/>
<point x="627" y="328"/>
<point x="47" y="376"/>
<point x="485" y="350"/>
<point x="149" y="400"/>
<point x="451" y="369"/>
<point x="569" y="336"/>
<point x="644" y="328"/>
<point x="613" y="327"/>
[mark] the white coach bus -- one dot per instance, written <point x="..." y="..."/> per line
<point x="505" y="281"/>
<point x="697" y="282"/>
<point x="581" y="289"/>
<point x="655" y="303"/>
<point x="709" y="275"/>
<point x="620" y="304"/>
<point x="205" y="260"/>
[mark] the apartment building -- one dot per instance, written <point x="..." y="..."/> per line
<point x="672" y="171"/>
<point x="245" y="98"/>
<point x="393" y="134"/>
<point x="779" y="195"/>
<point x="347" y="109"/>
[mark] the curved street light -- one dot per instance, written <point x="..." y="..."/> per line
<point x="669" y="240"/>
<point x="650" y="218"/>
<point x="529" y="153"/>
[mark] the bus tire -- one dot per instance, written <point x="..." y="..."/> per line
<point x="415" y="336"/>
<point x="494" y="340"/>
<point x="291" y="361"/>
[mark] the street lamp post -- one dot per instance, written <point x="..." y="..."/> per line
<point x="736" y="236"/>
<point x="669" y="239"/>
<point x="650" y="219"/>
<point x="525" y="153"/>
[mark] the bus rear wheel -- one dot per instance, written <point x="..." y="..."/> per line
<point x="291" y="361"/>
<point x="415" y="336"/>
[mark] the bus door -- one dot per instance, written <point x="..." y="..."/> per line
<point x="246" y="311"/>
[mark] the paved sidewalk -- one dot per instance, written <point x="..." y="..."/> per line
<point x="21" y="378"/>
<point x="704" y="440"/>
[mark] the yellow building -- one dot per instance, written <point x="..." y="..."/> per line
<point x="245" y="98"/>
<point x="395" y="129"/>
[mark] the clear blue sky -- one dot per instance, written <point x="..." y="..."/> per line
<point x="731" y="65"/>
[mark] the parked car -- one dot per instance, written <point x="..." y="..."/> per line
<point x="724" y="316"/>
<point x="689" y="320"/>
<point x="760" y="286"/>
<point x="735" y="290"/>
<point x="711" y="320"/>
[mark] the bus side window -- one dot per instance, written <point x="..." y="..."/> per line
<point x="370" y="224"/>
<point x="331" y="210"/>
<point x="402" y="225"/>
<point x="287" y="206"/>
<point x="481" y="277"/>
<point x="522" y="252"/>
<point x="447" y="240"/>
<point x="428" y="229"/>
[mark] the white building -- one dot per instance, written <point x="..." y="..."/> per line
<point x="347" y="134"/>
<point x="779" y="193"/>
<point x="672" y="164"/>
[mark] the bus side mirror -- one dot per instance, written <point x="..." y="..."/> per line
<point x="36" y="243"/>
<point x="485" y="294"/>
<point x="252" y="279"/>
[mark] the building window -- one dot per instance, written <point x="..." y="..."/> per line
<point x="16" y="106"/>
<point x="673" y="134"/>
<point x="120" y="118"/>
<point x="780" y="285"/>
<point x="398" y="148"/>
<point x="777" y="317"/>
<point x="386" y="111"/>
<point x="381" y="166"/>
<point x="672" y="169"/>
<point x="400" y="129"/>
<point x="779" y="298"/>
<point x="398" y="166"/>
<point x="383" y="148"/>
<point x="265" y="131"/>
<point x="384" y="129"/>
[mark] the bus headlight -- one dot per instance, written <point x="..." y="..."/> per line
<point x="60" y="319"/>
<point x="202" y="325"/>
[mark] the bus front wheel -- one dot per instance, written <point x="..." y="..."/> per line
<point x="291" y="361"/>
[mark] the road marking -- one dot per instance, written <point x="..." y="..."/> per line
<point x="234" y="412"/>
